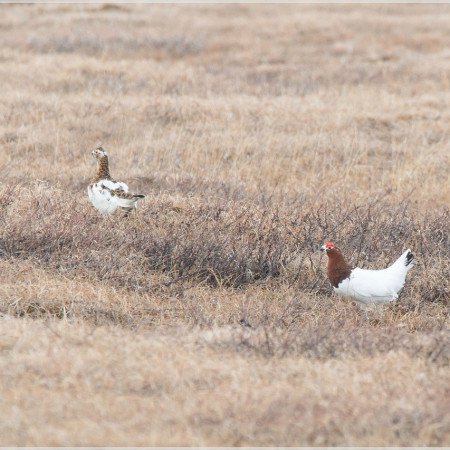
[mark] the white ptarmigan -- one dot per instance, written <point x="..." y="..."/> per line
<point x="366" y="286"/>
<point x="107" y="195"/>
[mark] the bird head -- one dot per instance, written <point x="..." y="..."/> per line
<point x="99" y="153"/>
<point x="328" y="247"/>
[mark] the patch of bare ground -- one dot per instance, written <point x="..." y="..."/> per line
<point x="256" y="132"/>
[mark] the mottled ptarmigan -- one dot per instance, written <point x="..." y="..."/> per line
<point x="107" y="195"/>
<point x="366" y="286"/>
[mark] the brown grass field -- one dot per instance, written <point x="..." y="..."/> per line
<point x="206" y="319"/>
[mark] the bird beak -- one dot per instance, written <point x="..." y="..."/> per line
<point x="323" y="248"/>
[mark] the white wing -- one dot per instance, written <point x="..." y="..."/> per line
<point x="101" y="199"/>
<point x="109" y="196"/>
<point x="114" y="185"/>
<point x="368" y="286"/>
<point x="376" y="286"/>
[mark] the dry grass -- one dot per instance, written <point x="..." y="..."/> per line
<point x="206" y="319"/>
<point x="213" y="387"/>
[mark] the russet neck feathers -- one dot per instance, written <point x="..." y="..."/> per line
<point x="337" y="269"/>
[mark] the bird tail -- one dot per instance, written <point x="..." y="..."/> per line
<point x="138" y="196"/>
<point x="406" y="260"/>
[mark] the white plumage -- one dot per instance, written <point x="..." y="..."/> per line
<point x="363" y="285"/>
<point x="375" y="286"/>
<point x="107" y="195"/>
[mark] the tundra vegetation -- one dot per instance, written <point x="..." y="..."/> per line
<point x="256" y="133"/>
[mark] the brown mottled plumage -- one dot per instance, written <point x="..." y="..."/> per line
<point x="107" y="195"/>
<point x="103" y="166"/>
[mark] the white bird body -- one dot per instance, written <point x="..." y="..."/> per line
<point x="363" y="285"/>
<point x="107" y="195"/>
<point x="375" y="286"/>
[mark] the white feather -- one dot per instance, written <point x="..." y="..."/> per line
<point x="113" y="185"/>
<point x="106" y="203"/>
<point x="375" y="286"/>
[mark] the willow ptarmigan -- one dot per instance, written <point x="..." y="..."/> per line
<point x="366" y="286"/>
<point x="107" y="195"/>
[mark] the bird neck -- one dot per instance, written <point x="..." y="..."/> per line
<point x="338" y="269"/>
<point x="102" y="170"/>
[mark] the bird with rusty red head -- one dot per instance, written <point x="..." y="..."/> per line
<point x="363" y="285"/>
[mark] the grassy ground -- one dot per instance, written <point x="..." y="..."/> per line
<point x="256" y="132"/>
